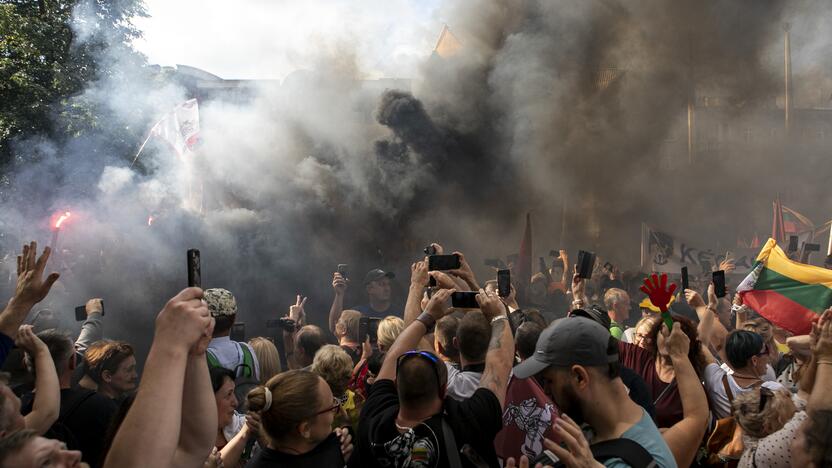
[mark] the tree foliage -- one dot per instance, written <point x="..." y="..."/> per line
<point x="51" y="51"/>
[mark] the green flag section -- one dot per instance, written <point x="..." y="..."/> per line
<point x="788" y="294"/>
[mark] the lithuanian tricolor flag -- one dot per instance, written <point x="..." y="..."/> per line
<point x="787" y="293"/>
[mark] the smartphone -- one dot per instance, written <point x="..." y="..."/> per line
<point x="81" y="312"/>
<point x="504" y="283"/>
<point x="719" y="283"/>
<point x="363" y="329"/>
<point x="792" y="244"/>
<point x="443" y="262"/>
<point x="342" y="270"/>
<point x="685" y="280"/>
<point x="372" y="329"/>
<point x="194" y="269"/>
<point x="586" y="262"/>
<point x="465" y="300"/>
<point x="238" y="332"/>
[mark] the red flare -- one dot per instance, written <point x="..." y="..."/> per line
<point x="62" y="218"/>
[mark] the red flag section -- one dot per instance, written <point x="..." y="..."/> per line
<point x="528" y="417"/>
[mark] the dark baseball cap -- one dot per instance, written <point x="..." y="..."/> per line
<point x="377" y="274"/>
<point x="567" y="342"/>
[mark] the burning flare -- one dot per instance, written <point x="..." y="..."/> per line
<point x="150" y="220"/>
<point x="62" y="218"/>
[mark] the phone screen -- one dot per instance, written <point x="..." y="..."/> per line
<point x="372" y="329"/>
<point x="465" y="300"/>
<point x="363" y="328"/>
<point x="685" y="281"/>
<point x="443" y="262"/>
<point x="504" y="283"/>
<point x="81" y="313"/>
<point x="719" y="283"/>
<point x="586" y="262"/>
<point x="194" y="269"/>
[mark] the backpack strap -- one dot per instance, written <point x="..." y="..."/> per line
<point x="248" y="360"/>
<point x="628" y="450"/>
<point x="450" y="445"/>
<point x="727" y="387"/>
<point x="212" y="360"/>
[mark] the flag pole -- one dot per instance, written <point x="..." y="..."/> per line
<point x="141" y="148"/>
<point x="829" y="247"/>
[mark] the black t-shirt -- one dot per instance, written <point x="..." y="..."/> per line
<point x="327" y="454"/>
<point x="475" y="423"/>
<point x="83" y="421"/>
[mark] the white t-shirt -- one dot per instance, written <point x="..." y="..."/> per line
<point x="462" y="385"/>
<point x="720" y="404"/>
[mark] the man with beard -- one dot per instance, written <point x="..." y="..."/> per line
<point x="578" y="362"/>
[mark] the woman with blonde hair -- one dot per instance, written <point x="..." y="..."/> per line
<point x="296" y="411"/>
<point x="334" y="365"/>
<point x="267" y="356"/>
<point x="388" y="330"/>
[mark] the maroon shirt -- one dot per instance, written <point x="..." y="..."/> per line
<point x="643" y="362"/>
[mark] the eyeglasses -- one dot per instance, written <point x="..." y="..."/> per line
<point x="426" y="355"/>
<point x="336" y="405"/>
<point x="765" y="394"/>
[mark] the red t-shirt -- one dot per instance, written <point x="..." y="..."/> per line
<point x="643" y="362"/>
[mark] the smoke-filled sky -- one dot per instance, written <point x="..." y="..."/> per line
<point x="320" y="168"/>
<point x="264" y="39"/>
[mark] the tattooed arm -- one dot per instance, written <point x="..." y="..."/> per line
<point x="500" y="355"/>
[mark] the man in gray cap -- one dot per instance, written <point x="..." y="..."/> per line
<point x="222" y="351"/>
<point x="578" y="362"/>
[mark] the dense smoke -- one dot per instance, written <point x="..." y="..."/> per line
<point x="573" y="110"/>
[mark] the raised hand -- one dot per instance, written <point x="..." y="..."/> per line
<point x="443" y="280"/>
<point x="577" y="453"/>
<point x="339" y="284"/>
<point x="490" y="304"/>
<point x="694" y="299"/>
<point x="183" y="321"/>
<point x="438" y="304"/>
<point x="296" y="311"/>
<point x="346" y="442"/>
<point x="822" y="346"/>
<point x="675" y="343"/>
<point x="94" y="305"/>
<point x="31" y="287"/>
<point x="29" y="342"/>
<point x="464" y="271"/>
<point x="657" y="290"/>
<point x="419" y="273"/>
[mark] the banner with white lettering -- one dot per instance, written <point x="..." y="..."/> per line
<point x="664" y="252"/>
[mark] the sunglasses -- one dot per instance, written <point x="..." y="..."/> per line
<point x="765" y="395"/>
<point x="336" y="405"/>
<point x="426" y="355"/>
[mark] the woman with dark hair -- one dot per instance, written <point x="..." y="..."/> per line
<point x="234" y="431"/>
<point x="297" y="409"/>
<point x="652" y="362"/>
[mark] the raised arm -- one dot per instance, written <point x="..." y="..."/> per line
<point x="579" y="298"/>
<point x="339" y="285"/>
<point x="564" y="257"/>
<point x="705" y="313"/>
<point x="418" y="281"/>
<point x="199" y="408"/>
<point x="155" y="418"/>
<point x="93" y="328"/>
<point x="31" y="288"/>
<point x="46" y="407"/>
<point x="465" y="273"/>
<point x="297" y="314"/>
<point x="409" y="339"/>
<point x="684" y="437"/>
<point x="500" y="356"/>
<point x="821" y="397"/>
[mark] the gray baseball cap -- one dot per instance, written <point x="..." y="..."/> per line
<point x="567" y="342"/>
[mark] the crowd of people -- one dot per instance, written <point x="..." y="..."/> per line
<point x="574" y="381"/>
